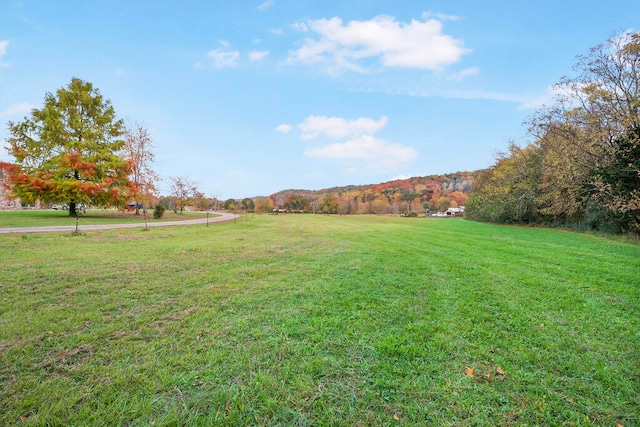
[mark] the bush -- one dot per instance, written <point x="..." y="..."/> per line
<point x="158" y="211"/>
<point x="411" y="214"/>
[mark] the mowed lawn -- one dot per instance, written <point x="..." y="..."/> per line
<point x="318" y="320"/>
<point x="49" y="217"/>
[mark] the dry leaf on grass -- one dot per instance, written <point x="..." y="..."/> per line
<point x="469" y="372"/>
<point x="499" y="371"/>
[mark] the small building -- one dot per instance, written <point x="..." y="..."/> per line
<point x="454" y="212"/>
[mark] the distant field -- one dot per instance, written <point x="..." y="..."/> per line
<point x="35" y="218"/>
<point x="318" y="320"/>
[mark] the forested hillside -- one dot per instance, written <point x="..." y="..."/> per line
<point x="583" y="168"/>
<point x="416" y="194"/>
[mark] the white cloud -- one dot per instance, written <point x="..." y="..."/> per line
<point x="258" y="55"/>
<point x="361" y="147"/>
<point x="440" y="16"/>
<point x="376" y="153"/>
<point x="276" y="31"/>
<point x="284" y="128"/>
<point x="461" y="75"/>
<point x="550" y="95"/>
<point x="401" y="177"/>
<point x="224" y="58"/>
<point x="337" y="127"/>
<point x="3" y="51"/>
<point x="418" y="44"/>
<point x="524" y="101"/>
<point x="266" y="5"/>
<point x="300" y="27"/>
<point x="536" y="102"/>
<point x="15" y="110"/>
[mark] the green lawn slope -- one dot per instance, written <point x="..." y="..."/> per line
<point x="318" y="320"/>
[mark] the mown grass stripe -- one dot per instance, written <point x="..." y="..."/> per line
<point x="316" y="320"/>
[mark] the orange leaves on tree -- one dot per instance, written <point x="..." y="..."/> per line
<point x="19" y="152"/>
<point x="459" y="197"/>
<point x="74" y="161"/>
<point x="38" y="184"/>
<point x="89" y="189"/>
<point x="20" y="179"/>
<point x="128" y="166"/>
<point x="5" y="168"/>
<point x="114" y="195"/>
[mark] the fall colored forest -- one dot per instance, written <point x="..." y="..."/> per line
<point x="416" y="194"/>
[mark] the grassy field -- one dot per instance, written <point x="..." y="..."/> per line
<point x="35" y="218"/>
<point x="317" y="320"/>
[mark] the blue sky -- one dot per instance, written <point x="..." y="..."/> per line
<point x="251" y="97"/>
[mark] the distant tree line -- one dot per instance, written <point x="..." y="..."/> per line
<point x="416" y="194"/>
<point x="583" y="168"/>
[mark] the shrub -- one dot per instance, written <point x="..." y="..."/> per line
<point x="411" y="214"/>
<point x="158" y="211"/>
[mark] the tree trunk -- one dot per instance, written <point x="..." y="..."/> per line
<point x="72" y="204"/>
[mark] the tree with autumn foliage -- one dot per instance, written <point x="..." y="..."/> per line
<point x="137" y="150"/>
<point x="183" y="191"/>
<point x="330" y="204"/>
<point x="263" y="205"/>
<point x="68" y="151"/>
<point x="583" y="169"/>
<point x="296" y="203"/>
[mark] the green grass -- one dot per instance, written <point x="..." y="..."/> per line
<point x="36" y="218"/>
<point x="317" y="320"/>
